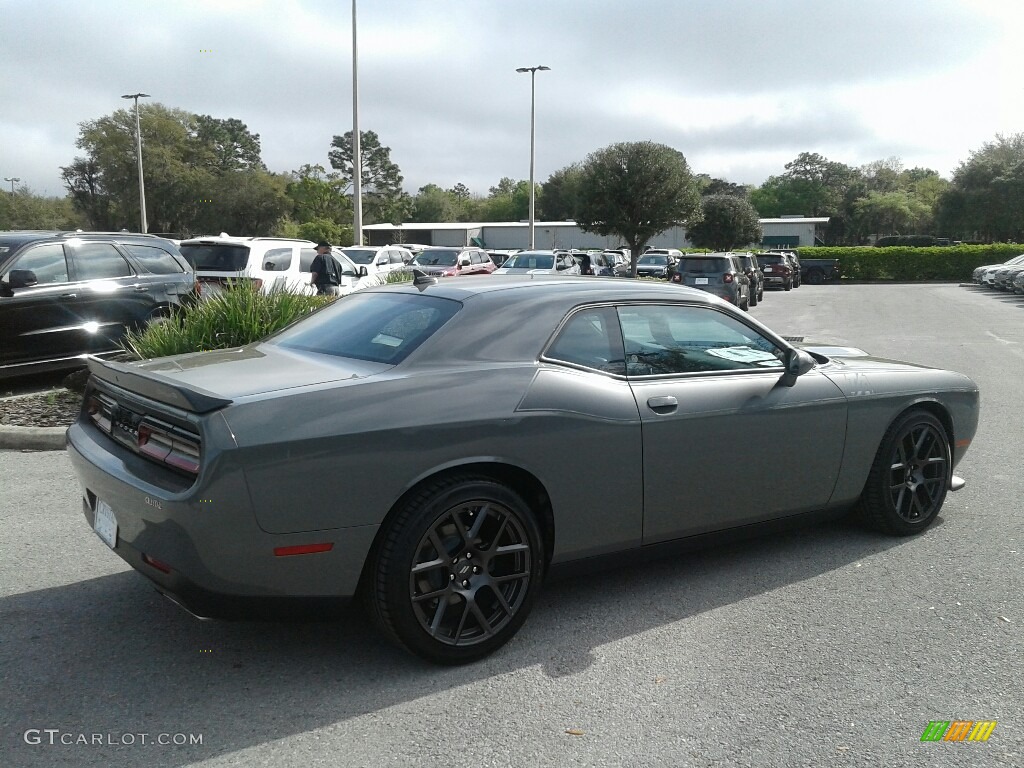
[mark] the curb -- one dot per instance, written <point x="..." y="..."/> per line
<point x="32" y="438"/>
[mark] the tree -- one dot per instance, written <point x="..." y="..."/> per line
<point x="712" y="186"/>
<point x="729" y="221"/>
<point x="985" y="199"/>
<point x="201" y="173"/>
<point x="381" y="179"/>
<point x="509" y="201"/>
<point x="636" y="190"/>
<point x="432" y="203"/>
<point x="560" y="194"/>
<point x="228" y="143"/>
<point x="24" y="210"/>
<point x="318" y="195"/>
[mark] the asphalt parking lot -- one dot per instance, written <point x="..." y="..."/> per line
<point x="824" y="646"/>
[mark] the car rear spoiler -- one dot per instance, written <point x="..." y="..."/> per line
<point x="155" y="386"/>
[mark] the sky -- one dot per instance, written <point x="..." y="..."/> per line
<point x="740" y="87"/>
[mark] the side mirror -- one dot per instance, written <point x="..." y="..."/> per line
<point x="463" y="262"/>
<point x="798" y="363"/>
<point x="363" y="272"/>
<point x="22" y="278"/>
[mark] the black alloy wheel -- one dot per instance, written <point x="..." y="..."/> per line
<point x="910" y="476"/>
<point x="458" y="569"/>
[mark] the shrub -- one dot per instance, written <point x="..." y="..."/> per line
<point x="950" y="263"/>
<point x="241" y="315"/>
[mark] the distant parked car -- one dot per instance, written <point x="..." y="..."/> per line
<point x="655" y="265"/>
<point x="980" y="273"/>
<point x="721" y="274"/>
<point x="777" y="269"/>
<point x="377" y="260"/>
<point x="754" y="274"/>
<point x="1018" y="282"/>
<point x="441" y="261"/>
<point x="67" y="294"/>
<point x="272" y="263"/>
<point x="820" y="271"/>
<point x="593" y="263"/>
<point x="794" y="262"/>
<point x="539" y="263"/>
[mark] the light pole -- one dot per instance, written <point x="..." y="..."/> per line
<point x="533" y="138"/>
<point x="357" y="158"/>
<point x="138" y="150"/>
<point x="12" y="180"/>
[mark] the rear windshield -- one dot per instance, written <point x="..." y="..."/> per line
<point x="656" y="259"/>
<point x="768" y="258"/>
<point x="360" y="255"/>
<point x="216" y="257"/>
<point x="703" y="265"/>
<point x="436" y="259"/>
<point x="529" y="261"/>
<point x="379" y="327"/>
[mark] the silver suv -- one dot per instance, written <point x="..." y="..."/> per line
<point x="721" y="274"/>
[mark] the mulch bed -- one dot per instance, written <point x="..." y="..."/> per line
<point x="57" y="408"/>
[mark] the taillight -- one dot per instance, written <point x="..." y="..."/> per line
<point x="168" y="445"/>
<point x="787" y="271"/>
<point x="727" y="278"/>
<point x="677" y="278"/>
<point x="100" y="409"/>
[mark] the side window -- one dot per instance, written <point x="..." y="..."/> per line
<point x="590" y="338"/>
<point x="46" y="261"/>
<point x="395" y="257"/>
<point x="306" y="256"/>
<point x="682" y="339"/>
<point x="99" y="261"/>
<point x="277" y="260"/>
<point x="156" y="261"/>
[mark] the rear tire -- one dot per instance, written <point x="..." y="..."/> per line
<point x="788" y="285"/>
<point x="910" y="476"/>
<point x="457" y="570"/>
<point x="816" y="277"/>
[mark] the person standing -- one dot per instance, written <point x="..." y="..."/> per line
<point x="324" y="275"/>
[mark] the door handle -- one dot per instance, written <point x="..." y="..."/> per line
<point x="69" y="295"/>
<point x="140" y="287"/>
<point x="662" y="404"/>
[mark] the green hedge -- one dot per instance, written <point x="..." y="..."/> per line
<point x="955" y="263"/>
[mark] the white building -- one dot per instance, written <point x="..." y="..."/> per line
<point x="785" y="232"/>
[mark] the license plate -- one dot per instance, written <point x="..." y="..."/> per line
<point x="105" y="524"/>
<point x="700" y="281"/>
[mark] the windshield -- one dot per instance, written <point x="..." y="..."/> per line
<point x="360" y="255"/>
<point x="529" y="261"/>
<point x="379" y="327"/>
<point x="443" y="258"/>
<point x="655" y="259"/>
<point x="216" y="257"/>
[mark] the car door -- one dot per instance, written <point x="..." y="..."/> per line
<point x="725" y="441"/>
<point x="112" y="297"/>
<point x="40" y="321"/>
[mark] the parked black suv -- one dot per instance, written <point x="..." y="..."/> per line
<point x="65" y="294"/>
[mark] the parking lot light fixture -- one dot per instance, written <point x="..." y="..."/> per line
<point x="533" y="141"/>
<point x="12" y="180"/>
<point x="138" y="151"/>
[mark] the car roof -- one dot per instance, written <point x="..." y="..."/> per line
<point x="572" y="289"/>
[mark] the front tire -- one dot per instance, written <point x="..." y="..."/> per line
<point x="457" y="570"/>
<point x="910" y="476"/>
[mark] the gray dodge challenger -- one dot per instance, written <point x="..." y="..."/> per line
<point x="429" y="448"/>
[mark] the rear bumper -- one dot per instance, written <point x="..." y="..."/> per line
<point x="213" y="557"/>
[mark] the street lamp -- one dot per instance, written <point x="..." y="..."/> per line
<point x="138" y="150"/>
<point x="12" y="180"/>
<point x="357" y="159"/>
<point x="533" y="138"/>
